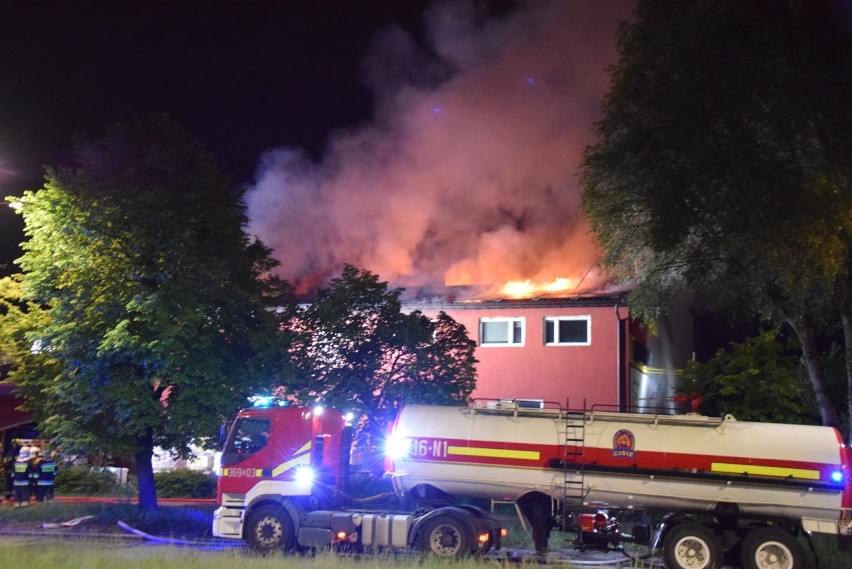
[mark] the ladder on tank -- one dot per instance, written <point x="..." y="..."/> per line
<point x="573" y="464"/>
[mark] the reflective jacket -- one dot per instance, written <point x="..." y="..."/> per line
<point x="46" y="472"/>
<point x="22" y="473"/>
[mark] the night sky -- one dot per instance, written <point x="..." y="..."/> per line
<point x="318" y="104"/>
<point x="242" y="76"/>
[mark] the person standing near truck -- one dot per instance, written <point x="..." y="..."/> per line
<point x="22" y="478"/>
<point x="5" y="475"/>
<point x="46" y="474"/>
<point x="35" y="460"/>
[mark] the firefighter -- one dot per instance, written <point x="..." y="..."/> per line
<point x="45" y="474"/>
<point x="35" y="460"/>
<point x="3" y="470"/>
<point x="8" y="475"/>
<point x="537" y="507"/>
<point x="22" y="478"/>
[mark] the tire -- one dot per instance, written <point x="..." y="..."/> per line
<point x="481" y="548"/>
<point x="692" y="546"/>
<point x="445" y="537"/>
<point x="269" y="528"/>
<point x="771" y="548"/>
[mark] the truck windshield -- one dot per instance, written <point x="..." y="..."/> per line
<point x="248" y="436"/>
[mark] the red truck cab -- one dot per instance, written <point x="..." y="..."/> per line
<point x="291" y="444"/>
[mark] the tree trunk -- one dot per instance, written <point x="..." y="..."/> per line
<point x="846" y="314"/>
<point x="145" y="472"/>
<point x="810" y="357"/>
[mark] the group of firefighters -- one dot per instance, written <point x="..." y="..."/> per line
<point x="31" y="474"/>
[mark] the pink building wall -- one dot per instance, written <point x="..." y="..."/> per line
<point x="596" y="373"/>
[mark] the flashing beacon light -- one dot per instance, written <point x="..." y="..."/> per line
<point x="318" y="411"/>
<point x="260" y="400"/>
<point x="397" y="446"/>
<point x="837" y="476"/>
<point x="304" y="476"/>
<point x="349" y="417"/>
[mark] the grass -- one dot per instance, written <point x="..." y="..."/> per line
<point x="107" y="556"/>
<point x="195" y="523"/>
<point x="168" y="521"/>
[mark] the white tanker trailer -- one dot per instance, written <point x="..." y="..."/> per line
<point x="705" y="489"/>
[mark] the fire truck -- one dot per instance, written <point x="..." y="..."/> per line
<point x="704" y="491"/>
<point x="282" y="485"/>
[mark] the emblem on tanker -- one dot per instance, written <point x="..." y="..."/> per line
<point x="623" y="444"/>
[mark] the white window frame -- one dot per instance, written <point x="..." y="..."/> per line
<point x="510" y="322"/>
<point x="555" y="320"/>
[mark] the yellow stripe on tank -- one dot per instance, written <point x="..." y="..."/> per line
<point x="776" y="471"/>
<point x="494" y="452"/>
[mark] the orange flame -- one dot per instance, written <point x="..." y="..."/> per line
<point x="518" y="289"/>
<point x="523" y="289"/>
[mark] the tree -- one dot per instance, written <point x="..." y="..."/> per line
<point x="722" y="164"/>
<point x="156" y="301"/>
<point x="359" y="351"/>
<point x="756" y="380"/>
<point x="17" y="317"/>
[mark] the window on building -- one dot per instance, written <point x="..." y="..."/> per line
<point x="501" y="332"/>
<point x="568" y="331"/>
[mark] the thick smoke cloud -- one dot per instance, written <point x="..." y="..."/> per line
<point x="467" y="173"/>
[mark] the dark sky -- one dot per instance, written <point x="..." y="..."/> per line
<point x="243" y="76"/>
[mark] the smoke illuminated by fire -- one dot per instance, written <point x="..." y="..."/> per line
<point x="467" y="173"/>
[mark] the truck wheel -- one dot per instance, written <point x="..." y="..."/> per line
<point x="444" y="536"/>
<point x="771" y="548"/>
<point x="692" y="546"/>
<point x="269" y="528"/>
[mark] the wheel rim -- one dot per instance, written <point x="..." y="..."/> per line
<point x="692" y="552"/>
<point x="268" y="532"/>
<point x="445" y="540"/>
<point x="773" y="555"/>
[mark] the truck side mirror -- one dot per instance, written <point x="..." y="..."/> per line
<point x="224" y="429"/>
